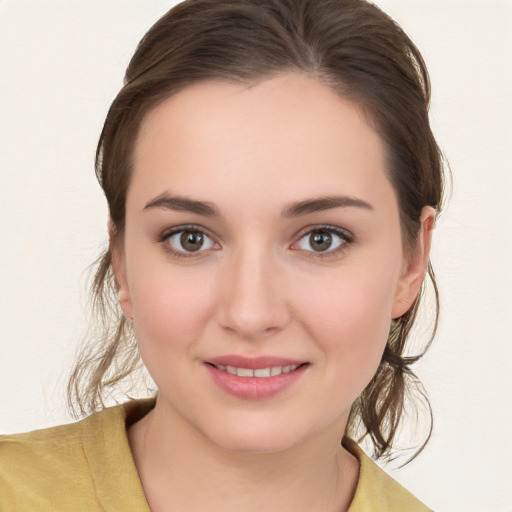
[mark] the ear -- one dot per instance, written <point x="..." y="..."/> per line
<point x="415" y="265"/>
<point x="118" y="263"/>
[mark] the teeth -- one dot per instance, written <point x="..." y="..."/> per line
<point x="245" y="372"/>
<point x="259" y="372"/>
<point x="262" y="372"/>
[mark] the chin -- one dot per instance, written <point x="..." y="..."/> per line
<point x="255" y="437"/>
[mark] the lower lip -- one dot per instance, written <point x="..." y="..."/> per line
<point x="254" y="388"/>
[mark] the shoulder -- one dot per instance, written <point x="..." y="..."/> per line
<point x="35" y="466"/>
<point x="377" y="491"/>
<point x="66" y="467"/>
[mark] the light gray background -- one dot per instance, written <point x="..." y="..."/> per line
<point x="61" y="63"/>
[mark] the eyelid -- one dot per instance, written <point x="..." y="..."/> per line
<point x="344" y="234"/>
<point x="168" y="233"/>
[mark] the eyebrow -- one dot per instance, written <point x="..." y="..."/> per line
<point x="183" y="204"/>
<point x="297" y="209"/>
<point x="324" y="203"/>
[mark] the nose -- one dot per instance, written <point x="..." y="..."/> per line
<point x="252" y="302"/>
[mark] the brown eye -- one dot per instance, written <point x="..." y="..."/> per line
<point x="327" y="240"/>
<point x="320" y="240"/>
<point x="189" y="241"/>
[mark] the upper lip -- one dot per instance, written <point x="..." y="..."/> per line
<point x="253" y="363"/>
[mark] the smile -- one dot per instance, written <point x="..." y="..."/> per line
<point x="255" y="379"/>
<point x="273" y="371"/>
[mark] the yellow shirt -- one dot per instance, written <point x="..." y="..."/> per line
<point x="88" y="466"/>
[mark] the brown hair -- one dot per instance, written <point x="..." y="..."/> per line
<point x="349" y="45"/>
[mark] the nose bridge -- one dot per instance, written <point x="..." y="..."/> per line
<point x="253" y="302"/>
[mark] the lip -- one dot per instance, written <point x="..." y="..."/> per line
<point x="254" y="388"/>
<point x="254" y="363"/>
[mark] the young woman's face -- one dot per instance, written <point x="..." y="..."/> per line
<point x="262" y="260"/>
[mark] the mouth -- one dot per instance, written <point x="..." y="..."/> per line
<point x="270" y="371"/>
<point x="255" y="378"/>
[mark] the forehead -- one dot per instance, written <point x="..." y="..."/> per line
<point x="287" y="136"/>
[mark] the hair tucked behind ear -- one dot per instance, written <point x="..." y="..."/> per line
<point x="379" y="409"/>
<point x="348" y="45"/>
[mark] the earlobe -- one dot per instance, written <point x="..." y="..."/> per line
<point x="119" y="270"/>
<point x="415" y="266"/>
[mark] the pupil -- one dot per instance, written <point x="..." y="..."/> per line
<point x="191" y="240"/>
<point x="321" y="241"/>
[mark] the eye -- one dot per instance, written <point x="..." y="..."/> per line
<point x="322" y="240"/>
<point x="189" y="241"/>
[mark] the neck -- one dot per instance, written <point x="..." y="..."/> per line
<point x="183" y="471"/>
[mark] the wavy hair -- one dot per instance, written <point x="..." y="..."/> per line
<point x="349" y="45"/>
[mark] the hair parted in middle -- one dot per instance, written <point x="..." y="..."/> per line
<point x="350" y="46"/>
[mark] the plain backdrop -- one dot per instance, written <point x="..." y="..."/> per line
<point x="62" y="62"/>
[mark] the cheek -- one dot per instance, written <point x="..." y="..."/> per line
<point x="350" y="317"/>
<point x="169" y="309"/>
<point x="349" y="300"/>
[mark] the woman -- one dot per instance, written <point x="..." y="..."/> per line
<point x="273" y="184"/>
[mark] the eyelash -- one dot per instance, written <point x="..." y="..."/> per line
<point x="166" y="235"/>
<point x="346" y="237"/>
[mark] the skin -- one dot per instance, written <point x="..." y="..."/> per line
<point x="257" y="287"/>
